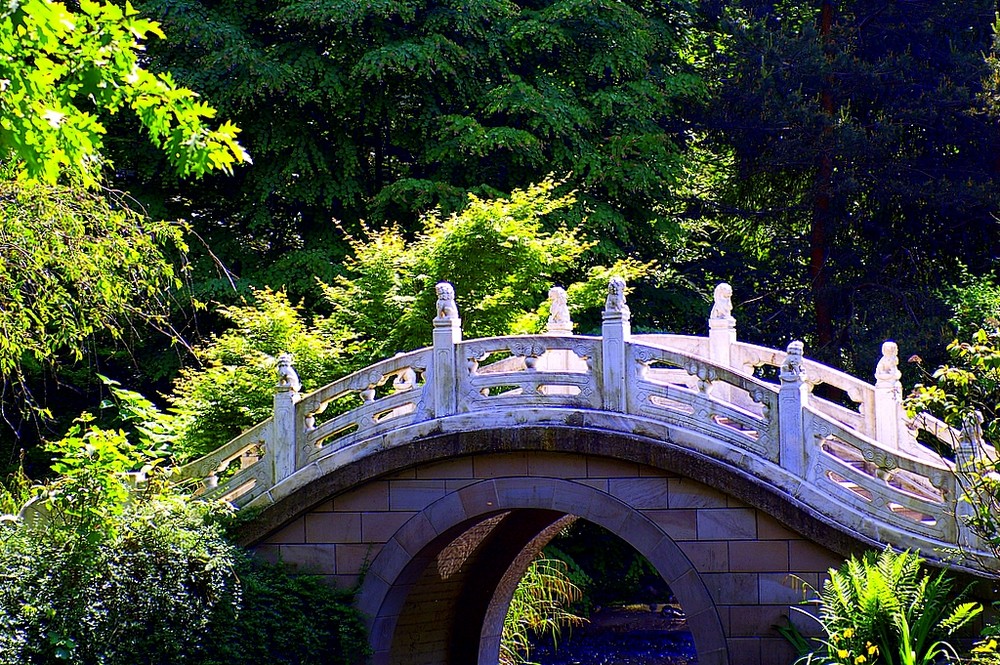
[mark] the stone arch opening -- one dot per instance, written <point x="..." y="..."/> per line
<point x="633" y="612"/>
<point x="440" y="587"/>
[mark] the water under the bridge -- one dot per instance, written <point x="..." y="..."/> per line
<point x="626" y="636"/>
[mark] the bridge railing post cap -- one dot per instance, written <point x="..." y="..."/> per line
<point x="559" y="318"/>
<point x="616" y="302"/>
<point x="722" y="307"/>
<point x="445" y="308"/>
<point x="288" y="379"/>
<point x="792" y="368"/>
<point x="887" y="370"/>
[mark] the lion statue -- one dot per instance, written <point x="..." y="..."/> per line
<point x="616" y="296"/>
<point x="446" y="307"/>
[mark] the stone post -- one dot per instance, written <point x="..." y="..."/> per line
<point x="447" y="334"/>
<point x="967" y="452"/>
<point x="721" y="326"/>
<point x="888" y="397"/>
<point x="722" y="336"/>
<point x="559" y="322"/>
<point x="615" y="333"/>
<point x="792" y="397"/>
<point x="282" y="447"/>
<point x="559" y="360"/>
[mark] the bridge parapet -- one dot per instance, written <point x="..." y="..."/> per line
<point x="742" y="405"/>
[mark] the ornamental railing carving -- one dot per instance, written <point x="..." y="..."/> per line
<point x="834" y="442"/>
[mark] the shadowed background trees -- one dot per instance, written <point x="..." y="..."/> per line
<point x="835" y="161"/>
<point x="862" y="166"/>
<point x="380" y="111"/>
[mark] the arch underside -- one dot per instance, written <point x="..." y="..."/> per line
<point x="446" y="603"/>
<point x="439" y="594"/>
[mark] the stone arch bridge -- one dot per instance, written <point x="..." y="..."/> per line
<point x="440" y="473"/>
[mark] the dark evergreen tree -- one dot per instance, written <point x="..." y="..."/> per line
<point x="860" y="152"/>
<point x="373" y="110"/>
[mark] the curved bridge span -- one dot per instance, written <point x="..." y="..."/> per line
<point x="445" y="470"/>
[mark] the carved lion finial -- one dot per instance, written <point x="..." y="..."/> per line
<point x="887" y="370"/>
<point x="559" y="320"/>
<point x="405" y="380"/>
<point x="287" y="377"/>
<point x="616" y="296"/>
<point x="793" y="369"/>
<point x="723" y="307"/>
<point x="446" y="307"/>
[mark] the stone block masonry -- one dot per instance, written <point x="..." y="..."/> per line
<point x="754" y="568"/>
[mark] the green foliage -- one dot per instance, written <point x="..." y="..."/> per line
<point x="15" y="491"/>
<point x="59" y="68"/>
<point x="288" y="619"/>
<point x="575" y="573"/>
<point x="143" y="422"/>
<point x="991" y="78"/>
<point x="373" y="110"/>
<point x="76" y="264"/>
<point x="971" y="382"/>
<point x="966" y="395"/>
<point x="799" y="642"/>
<point x="163" y="586"/>
<point x="95" y="481"/>
<point x="233" y="387"/>
<point x="100" y="474"/>
<point x="109" y="563"/>
<point x="975" y="301"/>
<point x="496" y="253"/>
<point x="540" y="606"/>
<point x="884" y="608"/>
<point x="887" y="103"/>
<point x="149" y="593"/>
<point x="985" y="652"/>
<point x="611" y="570"/>
<point x="108" y="567"/>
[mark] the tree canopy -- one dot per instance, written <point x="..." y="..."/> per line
<point x="833" y="161"/>
<point x="61" y="69"/>
<point x="381" y="111"/>
<point x="861" y="164"/>
<point x="76" y="261"/>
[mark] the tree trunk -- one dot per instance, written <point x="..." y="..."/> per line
<point x="819" y="240"/>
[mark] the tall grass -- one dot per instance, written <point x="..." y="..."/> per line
<point x="540" y="606"/>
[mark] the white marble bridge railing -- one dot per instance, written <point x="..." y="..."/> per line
<point x="854" y="461"/>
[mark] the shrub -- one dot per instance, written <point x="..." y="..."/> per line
<point x="233" y="388"/>
<point x="288" y="620"/>
<point x="965" y="394"/>
<point x="885" y="608"/>
<point x="497" y="253"/>
<point x="110" y="565"/>
<point x="147" y="592"/>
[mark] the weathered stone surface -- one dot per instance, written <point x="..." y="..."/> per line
<point x="727" y="484"/>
